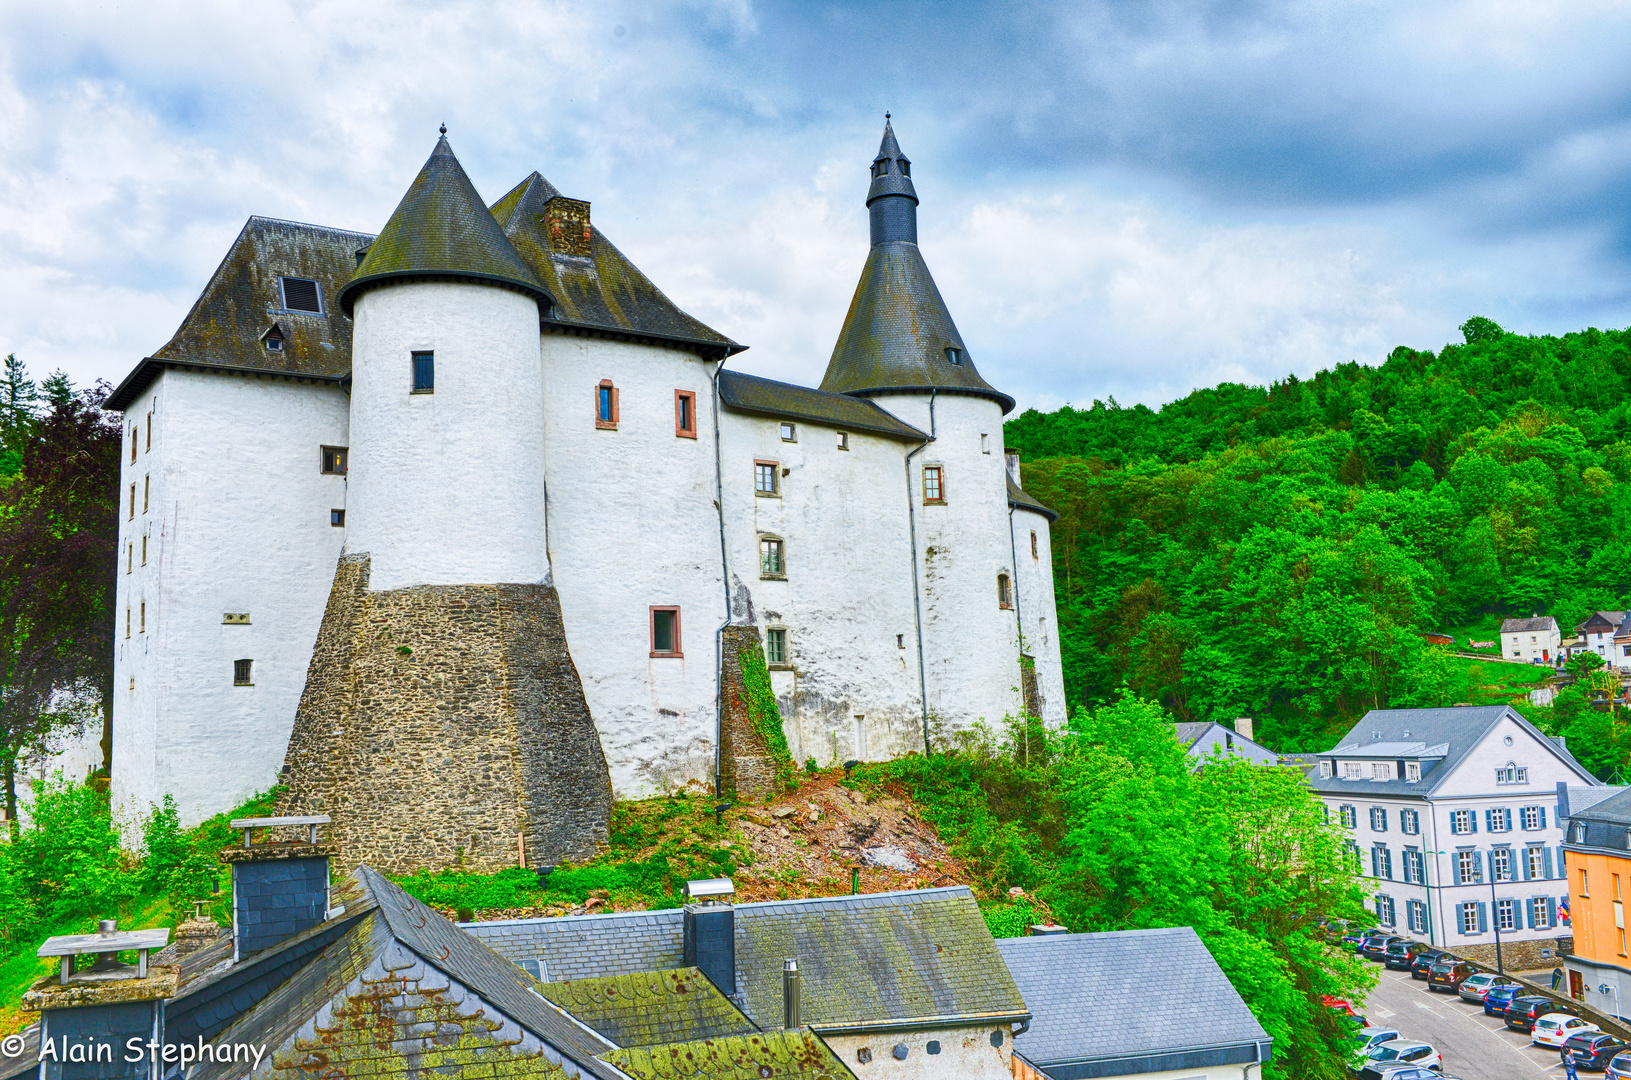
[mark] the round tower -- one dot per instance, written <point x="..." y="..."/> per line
<point x="900" y="347"/>
<point x="445" y="481"/>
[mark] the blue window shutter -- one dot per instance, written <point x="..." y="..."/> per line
<point x="1478" y="866"/>
<point x="1562" y="867"/>
<point x="1523" y="857"/>
<point x="1518" y="919"/>
<point x="1375" y="862"/>
<point x="1489" y="821"/>
<point x="1472" y="821"/>
<point x="1455" y="868"/>
<point x="1483" y="917"/>
<point x="1507" y="817"/>
<point x="1529" y="912"/>
<point x="1548" y="861"/>
<point x="1543" y="817"/>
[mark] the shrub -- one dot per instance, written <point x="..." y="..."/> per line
<point x="69" y="857"/>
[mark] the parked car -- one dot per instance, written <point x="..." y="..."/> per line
<point x="1619" y="1068"/>
<point x="1474" y="987"/>
<point x="1522" y="1012"/>
<point x="1554" y="1029"/>
<point x="1498" y="997"/>
<point x="1375" y="946"/>
<point x="1406" y="1052"/>
<point x="1447" y="973"/>
<point x="1357" y="938"/>
<point x="1594" y="1049"/>
<point x="1372" y="1037"/>
<point x="1401" y="954"/>
<point x="1405" y="1072"/>
<point x="1424" y="960"/>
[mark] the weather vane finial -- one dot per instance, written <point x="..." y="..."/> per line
<point x="444" y="129"/>
<point x="886" y="116"/>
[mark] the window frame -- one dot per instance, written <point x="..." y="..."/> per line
<point x="1504" y="872"/>
<point x="283" y="295"/>
<point x="776" y="647"/>
<point x="763" y="467"/>
<point x="939" y="498"/>
<point x="772" y="542"/>
<point x="1412" y="772"/>
<point x="788" y="431"/>
<point x="1036" y="547"/>
<point x="243" y="672"/>
<point x="1410" y="822"/>
<point x="685" y="402"/>
<point x="415" y="358"/>
<point x="678" y="650"/>
<point x="843" y="440"/>
<point x="607" y="389"/>
<point x="1378" y="814"/>
<point x="1506" y="914"/>
<point x="1348" y="814"/>
<point x="336" y="517"/>
<point x="328" y="456"/>
<point x="1005" y="591"/>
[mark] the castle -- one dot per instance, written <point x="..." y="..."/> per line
<point x="463" y="529"/>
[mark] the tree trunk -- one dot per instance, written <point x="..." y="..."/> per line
<point x="11" y="797"/>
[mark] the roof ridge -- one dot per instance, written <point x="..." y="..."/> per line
<point x="310" y="225"/>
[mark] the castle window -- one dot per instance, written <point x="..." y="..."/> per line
<point x="985" y="444"/>
<point x="765" y="479"/>
<point x="934" y="484"/>
<point x="772" y="558"/>
<point x="132" y="502"/>
<point x="1036" y="549"/>
<point x="606" y="405"/>
<point x="665" y="631"/>
<point x="776" y="646"/>
<point x="1005" y="591"/>
<point x="127" y="620"/>
<point x="900" y="641"/>
<point x="147" y="490"/>
<point x="424" y="373"/>
<point x="130" y="556"/>
<point x="954" y="354"/>
<point x="843" y="440"/>
<point x="243" y="672"/>
<point x="334" y="463"/>
<point x="273" y="339"/>
<point x="336" y="518"/>
<point x="905" y="167"/>
<point x="685" y="414"/>
<point x="301" y="294"/>
<point x="142" y="626"/>
<point x="133" y="441"/>
<point x="790" y="433"/>
<point x="149" y="445"/>
<point x="144" y="549"/>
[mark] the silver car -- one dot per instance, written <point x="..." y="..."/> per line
<point x="1474" y="987"/>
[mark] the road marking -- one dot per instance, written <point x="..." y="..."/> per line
<point x="1383" y="1013"/>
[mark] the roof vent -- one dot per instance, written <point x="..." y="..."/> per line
<point x="717" y="890"/>
<point x="301" y="294"/>
<point x="107" y="943"/>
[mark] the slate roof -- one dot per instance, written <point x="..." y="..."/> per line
<point x="1451" y="731"/>
<point x="603" y="291"/>
<point x="1612" y="618"/>
<point x="767" y="397"/>
<point x="1067" y="978"/>
<point x="895" y="335"/>
<point x="1187" y="733"/>
<point x="1018" y="497"/>
<point x="896" y="181"/>
<point x="914" y="955"/>
<point x="679" y="1005"/>
<point x="442" y="229"/>
<point x="1615" y="809"/>
<point x="1542" y="622"/>
<point x="241" y="303"/>
<point x="793" y="1055"/>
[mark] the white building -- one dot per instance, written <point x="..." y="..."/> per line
<point x="1453" y="814"/>
<point x="1200" y="738"/>
<point x="1537" y="639"/>
<point x="1596" y="635"/>
<point x="497" y="395"/>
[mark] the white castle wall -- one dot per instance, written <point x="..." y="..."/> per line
<point x="632" y="524"/>
<point x="971" y="645"/>
<point x="1037" y="617"/>
<point x="446" y="487"/>
<point x="846" y="601"/>
<point x="237" y="520"/>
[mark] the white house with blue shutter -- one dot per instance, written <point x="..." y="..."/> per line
<point x="1453" y="816"/>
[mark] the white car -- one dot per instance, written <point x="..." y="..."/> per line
<point x="1405" y="1052"/>
<point x="1554" y="1029"/>
<point x="1374" y="1036"/>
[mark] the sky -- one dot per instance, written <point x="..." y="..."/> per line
<point x="1122" y="199"/>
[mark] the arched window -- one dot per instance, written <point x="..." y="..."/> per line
<point x="1005" y="591"/>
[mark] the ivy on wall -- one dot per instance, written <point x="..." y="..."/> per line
<point x="763" y="714"/>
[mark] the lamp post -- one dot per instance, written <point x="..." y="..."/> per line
<point x="1427" y="878"/>
<point x="1495" y="921"/>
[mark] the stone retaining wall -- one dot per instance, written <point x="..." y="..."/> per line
<point x="747" y="771"/>
<point x="446" y="725"/>
<point x="1520" y="955"/>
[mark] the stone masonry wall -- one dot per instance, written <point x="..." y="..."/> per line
<point x="746" y="767"/>
<point x="441" y="722"/>
<point x="1520" y="955"/>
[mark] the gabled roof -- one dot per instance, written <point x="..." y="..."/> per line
<point x="1187" y="733"/>
<point x="1539" y="622"/>
<point x="1197" y="1020"/>
<point x="793" y="1055"/>
<point x="1019" y="499"/>
<point x="679" y="1005"/>
<point x="767" y="397"/>
<point x="921" y="955"/>
<point x="1425" y="733"/>
<point x="602" y="290"/>
<point x="442" y="229"/>
<point x="223" y="331"/>
<point x="1611" y="618"/>
<point x="1615" y="809"/>
<point x="895" y="335"/>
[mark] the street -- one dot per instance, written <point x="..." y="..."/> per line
<point x="1474" y="1046"/>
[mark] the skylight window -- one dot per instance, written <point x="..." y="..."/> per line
<point x="301" y="294"/>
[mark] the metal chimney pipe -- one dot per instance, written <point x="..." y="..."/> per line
<point x="790" y="993"/>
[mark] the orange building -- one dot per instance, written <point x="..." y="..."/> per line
<point x="1597" y="850"/>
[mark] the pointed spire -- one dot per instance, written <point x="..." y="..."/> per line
<point x="442" y="229"/>
<point x="891" y="200"/>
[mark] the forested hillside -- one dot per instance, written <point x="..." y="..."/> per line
<point x="1277" y="551"/>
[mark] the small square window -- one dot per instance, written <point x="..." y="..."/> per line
<point x="243" y="672"/>
<point x="934" y="484"/>
<point x="336" y="518"/>
<point x="665" y="631"/>
<point x="685" y="414"/>
<point x="772" y="561"/>
<point x="606" y="405"/>
<point x="843" y="440"/>
<point x="766" y="479"/>
<point x="424" y="373"/>
<point x="790" y="433"/>
<point x="334" y="460"/>
<point x="954" y="354"/>
<point x="776" y="646"/>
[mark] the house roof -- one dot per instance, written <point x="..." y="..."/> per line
<point x="442" y="229"/>
<point x="921" y="955"/>
<point x="651" y="1007"/>
<point x="793" y="1055"/>
<point x="1426" y="733"/>
<point x="601" y="291"/>
<point x="1067" y="978"/>
<point x="767" y="397"/>
<point x="1188" y="732"/>
<point x="1539" y="622"/>
<point x="1017" y="497"/>
<point x="1612" y="618"/>
<point x="1614" y="809"/>
<point x="242" y="301"/>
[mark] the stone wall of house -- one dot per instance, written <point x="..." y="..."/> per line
<point x="1520" y="955"/>
<point x="745" y="765"/>
<point x="446" y="725"/>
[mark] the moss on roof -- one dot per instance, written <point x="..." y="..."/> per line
<point x="443" y="229"/>
<point x="679" y="1005"/>
<point x="785" y="1055"/>
<point x="752" y="394"/>
<point x="897" y="331"/>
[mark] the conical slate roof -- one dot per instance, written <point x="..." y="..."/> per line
<point x="896" y="179"/>
<point x="442" y="229"/>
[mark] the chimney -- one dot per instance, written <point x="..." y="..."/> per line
<point x="279" y="889"/>
<point x="1243" y="726"/>
<point x="790" y="993"/>
<point x="710" y="931"/>
<point x="1047" y="930"/>
<point x="1010" y="458"/>
<point x="567" y="223"/>
<point x="89" y="1015"/>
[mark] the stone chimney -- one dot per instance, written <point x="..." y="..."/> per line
<point x="196" y="932"/>
<point x="279" y="888"/>
<point x="1047" y="929"/>
<point x="1010" y="458"/>
<point x="1243" y="726"/>
<point x="710" y="931"/>
<point x="91" y="1015"/>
